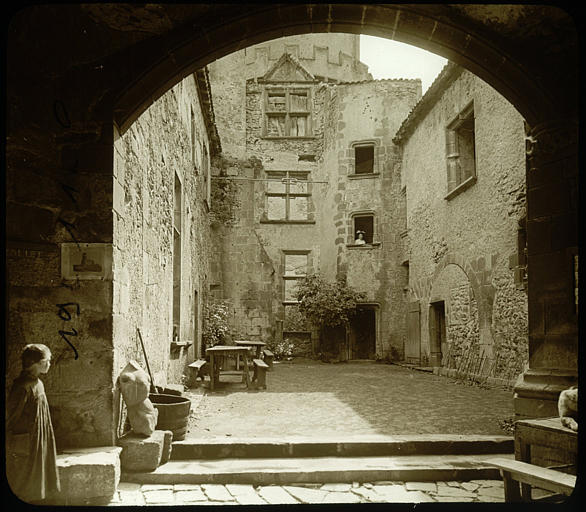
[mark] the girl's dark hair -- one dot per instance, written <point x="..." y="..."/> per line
<point x="33" y="353"/>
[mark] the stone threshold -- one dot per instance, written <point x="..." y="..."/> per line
<point x="346" y="446"/>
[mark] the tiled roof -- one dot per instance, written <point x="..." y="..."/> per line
<point x="447" y="75"/>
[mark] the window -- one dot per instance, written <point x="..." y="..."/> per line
<point x="364" y="159"/>
<point x="295" y="268"/>
<point x="364" y="223"/>
<point x="460" y="151"/>
<point x="287" y="196"/>
<point x="177" y="216"/>
<point x="287" y="113"/>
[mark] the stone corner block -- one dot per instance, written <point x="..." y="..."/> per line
<point x="142" y="453"/>
<point x="88" y="474"/>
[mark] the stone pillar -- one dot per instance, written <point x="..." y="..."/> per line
<point x="552" y="243"/>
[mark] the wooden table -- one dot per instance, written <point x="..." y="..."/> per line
<point x="227" y="350"/>
<point x="258" y="345"/>
<point x="549" y="433"/>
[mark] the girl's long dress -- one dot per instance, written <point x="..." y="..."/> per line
<point x="31" y="451"/>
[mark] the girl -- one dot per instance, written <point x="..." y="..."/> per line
<point x="30" y="441"/>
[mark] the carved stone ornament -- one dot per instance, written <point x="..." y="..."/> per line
<point x="549" y="140"/>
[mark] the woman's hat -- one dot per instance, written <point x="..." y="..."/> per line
<point x="359" y="231"/>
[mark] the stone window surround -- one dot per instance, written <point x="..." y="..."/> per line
<point x="363" y="213"/>
<point x="287" y="89"/>
<point x="451" y="129"/>
<point x="287" y="195"/>
<point x="376" y="143"/>
<point x="293" y="252"/>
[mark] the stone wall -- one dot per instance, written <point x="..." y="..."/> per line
<point x="59" y="196"/>
<point x="156" y="151"/>
<point x="368" y="112"/>
<point x="333" y="56"/>
<point x="477" y="229"/>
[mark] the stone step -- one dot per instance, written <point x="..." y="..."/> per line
<point x="359" y="446"/>
<point x="266" y="471"/>
<point x="89" y="476"/>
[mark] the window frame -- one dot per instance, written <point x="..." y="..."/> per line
<point x="285" y="277"/>
<point x="361" y="214"/>
<point x="287" y="195"/>
<point x="458" y="177"/>
<point x="288" y="113"/>
<point x="375" y="144"/>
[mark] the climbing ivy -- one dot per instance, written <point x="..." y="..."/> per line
<point x="327" y="304"/>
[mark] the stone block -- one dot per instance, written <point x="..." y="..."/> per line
<point x="140" y="453"/>
<point x="167" y="446"/>
<point x="88" y="474"/>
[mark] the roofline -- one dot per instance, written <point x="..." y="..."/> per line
<point x="204" y="93"/>
<point x="447" y="76"/>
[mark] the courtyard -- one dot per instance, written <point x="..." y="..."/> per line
<point x="310" y="398"/>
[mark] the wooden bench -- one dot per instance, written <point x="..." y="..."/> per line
<point x="268" y="357"/>
<point x="260" y="373"/>
<point x="196" y="369"/>
<point x="515" y="472"/>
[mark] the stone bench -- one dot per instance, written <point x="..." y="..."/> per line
<point x="268" y="357"/>
<point x="515" y="472"/>
<point x="260" y="373"/>
<point x="197" y="370"/>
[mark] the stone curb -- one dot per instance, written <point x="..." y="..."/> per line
<point x="380" y="446"/>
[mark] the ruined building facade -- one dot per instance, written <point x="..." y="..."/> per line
<point x="307" y="108"/>
<point x="442" y="268"/>
<point x="463" y="175"/>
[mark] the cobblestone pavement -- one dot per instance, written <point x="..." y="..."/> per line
<point x="317" y="399"/>
<point x="377" y="492"/>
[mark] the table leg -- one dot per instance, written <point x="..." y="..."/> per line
<point x="246" y="375"/>
<point x="525" y="452"/>
<point x="213" y="372"/>
<point x="511" y="488"/>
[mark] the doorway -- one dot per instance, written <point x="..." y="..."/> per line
<point x="437" y="332"/>
<point x="363" y="334"/>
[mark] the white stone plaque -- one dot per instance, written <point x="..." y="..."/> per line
<point x="86" y="261"/>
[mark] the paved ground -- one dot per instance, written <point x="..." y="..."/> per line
<point x="310" y="398"/>
<point x="377" y="492"/>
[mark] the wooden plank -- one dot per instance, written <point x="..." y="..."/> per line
<point x="197" y="364"/>
<point x="537" y="476"/>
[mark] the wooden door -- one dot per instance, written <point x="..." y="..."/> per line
<point x="413" y="345"/>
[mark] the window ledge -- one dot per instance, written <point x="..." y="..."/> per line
<point x="287" y="222"/>
<point x="373" y="245"/>
<point x="365" y="175"/>
<point x="290" y="137"/>
<point x="461" y="187"/>
<point x="175" y="345"/>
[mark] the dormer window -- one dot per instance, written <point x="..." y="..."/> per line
<point x="287" y="112"/>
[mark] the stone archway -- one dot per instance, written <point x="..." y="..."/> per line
<point x="459" y="34"/>
<point x="74" y="70"/>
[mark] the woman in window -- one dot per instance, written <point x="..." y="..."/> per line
<point x="360" y="238"/>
